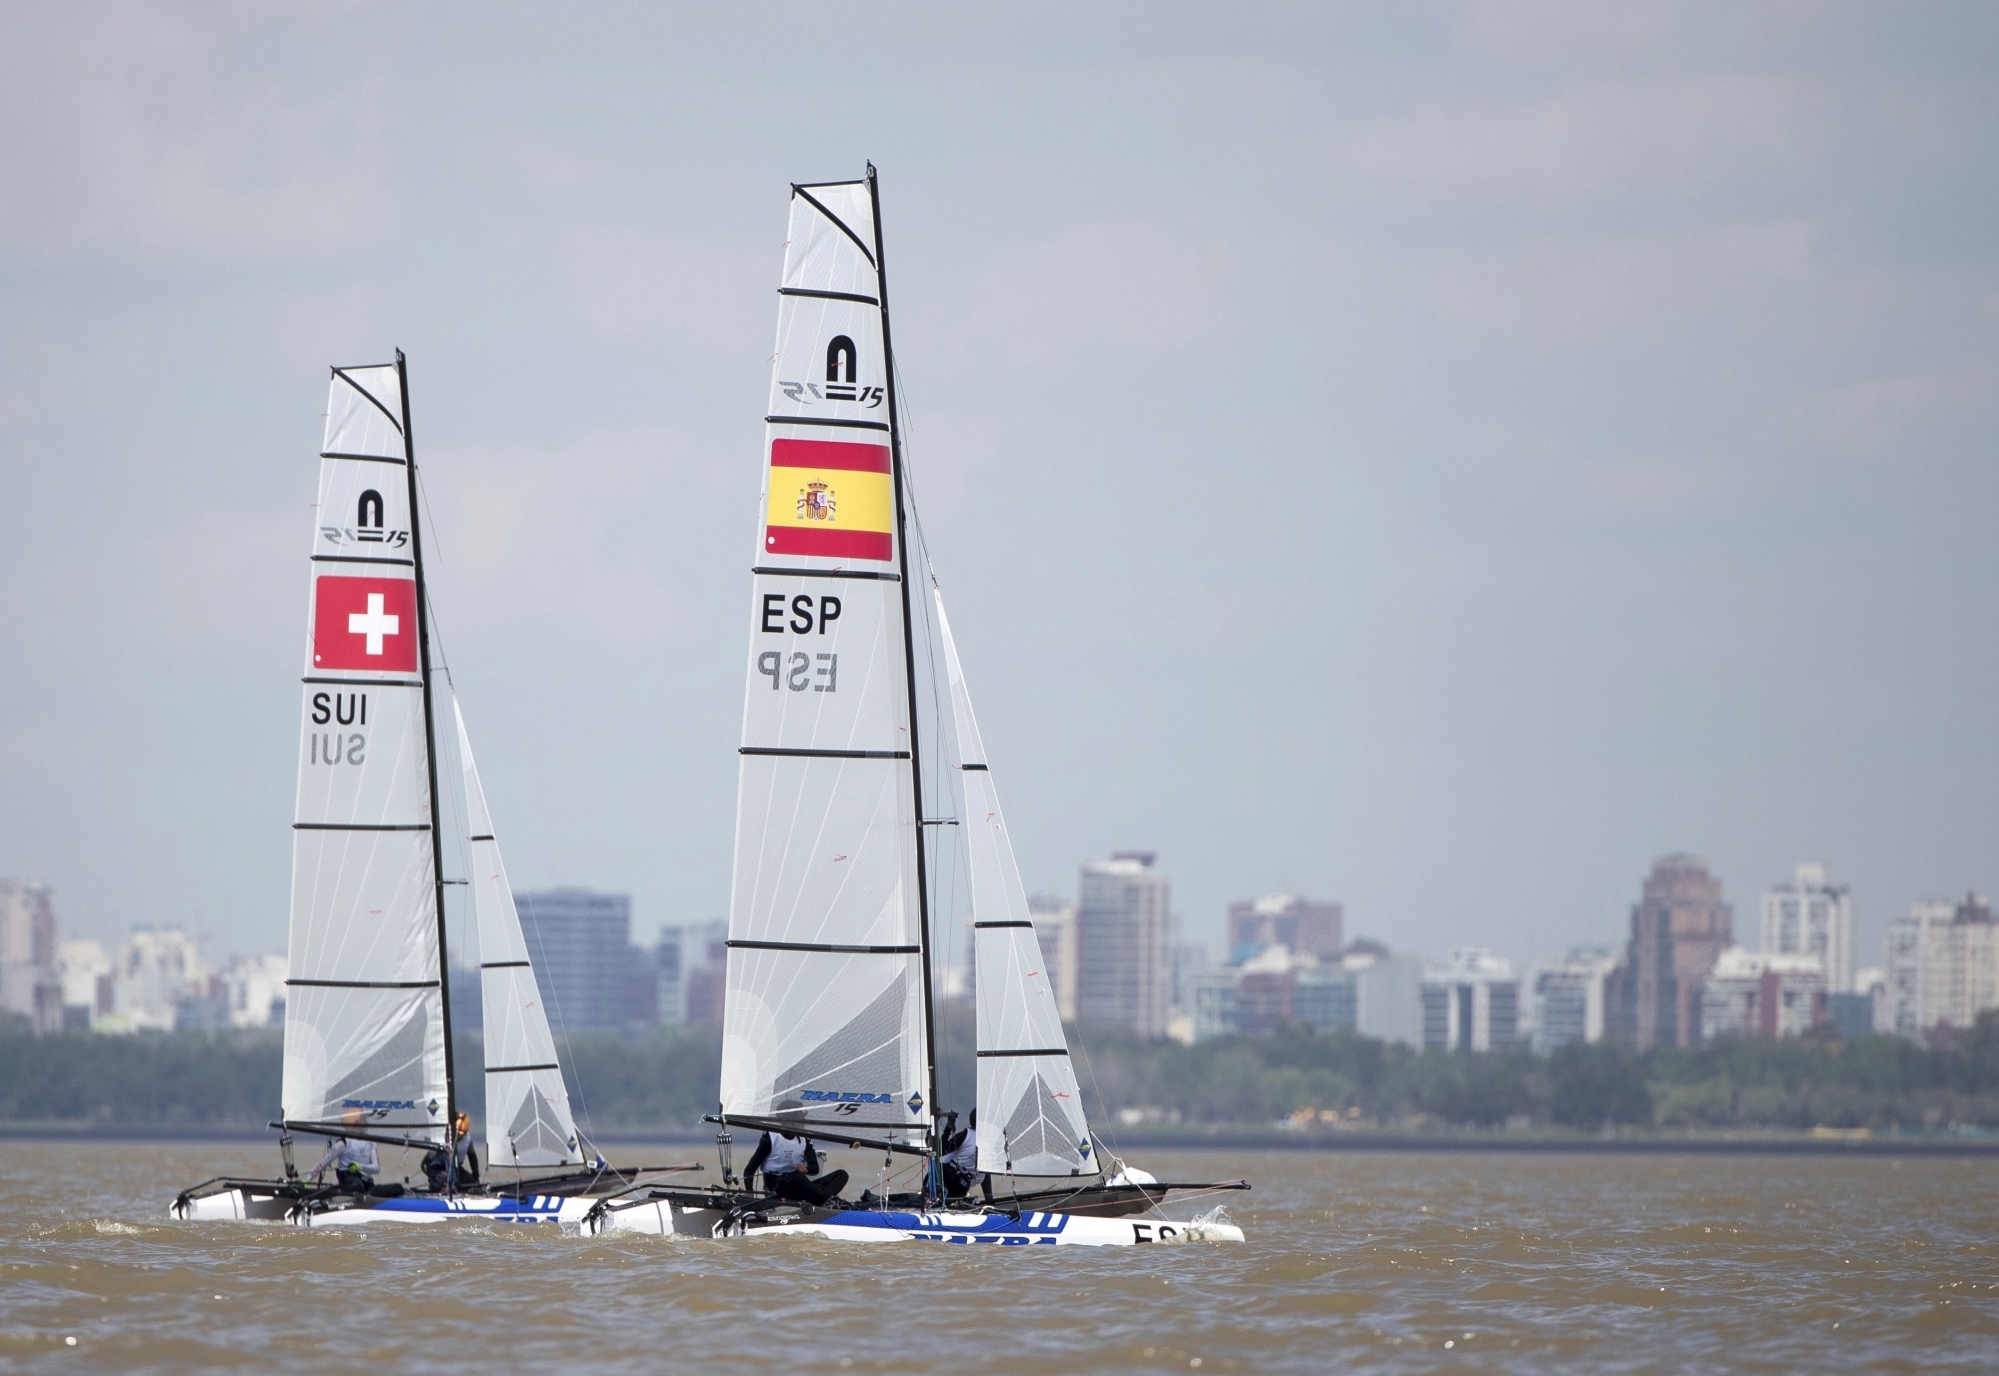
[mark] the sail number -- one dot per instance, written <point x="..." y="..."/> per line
<point x="799" y="671"/>
<point x="799" y="615"/>
<point x="344" y="709"/>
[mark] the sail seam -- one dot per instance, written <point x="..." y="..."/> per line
<point x="1038" y="1051"/>
<point x="827" y="573"/>
<point x="824" y="948"/>
<point x="360" y="826"/>
<point x="828" y="295"/>
<point x="824" y="754"/>
<point x="845" y="229"/>
<point x="363" y="458"/>
<point x="364" y="983"/>
<point x="358" y="559"/>
<point x="827" y="420"/>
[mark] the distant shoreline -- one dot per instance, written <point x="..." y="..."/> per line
<point x="1246" y="1139"/>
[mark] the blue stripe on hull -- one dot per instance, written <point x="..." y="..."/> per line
<point x="1026" y="1230"/>
<point x="536" y="1209"/>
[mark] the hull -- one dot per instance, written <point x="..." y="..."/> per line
<point x="695" y="1218"/>
<point x="244" y="1201"/>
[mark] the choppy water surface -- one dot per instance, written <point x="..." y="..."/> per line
<point x="1406" y="1262"/>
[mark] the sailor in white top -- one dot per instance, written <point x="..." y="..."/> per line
<point x="788" y="1164"/>
<point x="354" y="1163"/>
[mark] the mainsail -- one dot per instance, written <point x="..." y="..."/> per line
<point x="825" y="1019"/>
<point x="364" y="1019"/>
<point x="1033" y="1111"/>
<point x="528" y="1122"/>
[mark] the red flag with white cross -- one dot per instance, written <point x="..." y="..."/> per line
<point x="364" y="623"/>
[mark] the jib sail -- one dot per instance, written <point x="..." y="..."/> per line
<point x="1031" y="1113"/>
<point x="528" y="1122"/>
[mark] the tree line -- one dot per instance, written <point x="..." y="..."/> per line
<point x="668" y="1077"/>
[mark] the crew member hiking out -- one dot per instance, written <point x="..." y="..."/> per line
<point x="788" y="1164"/>
<point x="961" y="1159"/>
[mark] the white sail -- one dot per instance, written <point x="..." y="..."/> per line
<point x="823" y="1018"/>
<point x="364" y="1025"/>
<point x="1031" y="1110"/>
<point x="528" y="1122"/>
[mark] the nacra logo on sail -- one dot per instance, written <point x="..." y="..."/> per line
<point x="842" y="379"/>
<point x="368" y="527"/>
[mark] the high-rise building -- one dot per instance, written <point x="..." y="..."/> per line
<point x="1055" y="929"/>
<point x="1568" y="999"/>
<point x="1679" y="927"/>
<point x="83" y="969"/>
<point x="1812" y="916"/>
<point x="1961" y="966"/>
<point x="1284" y="919"/>
<point x="1903" y="953"/>
<point x="1472" y="1003"/>
<point x="669" y="973"/>
<point x="1185" y="962"/>
<point x="1370" y="992"/>
<point x="1762" y="994"/>
<point x="1123" y="930"/>
<point x="157" y="969"/>
<point x="580" y="943"/>
<point x="704" y="964"/>
<point x="29" y="986"/>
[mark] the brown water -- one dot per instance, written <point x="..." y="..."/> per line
<point x="1406" y="1262"/>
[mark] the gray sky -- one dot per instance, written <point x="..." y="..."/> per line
<point x="1435" y="458"/>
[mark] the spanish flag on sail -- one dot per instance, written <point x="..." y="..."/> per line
<point x="830" y="499"/>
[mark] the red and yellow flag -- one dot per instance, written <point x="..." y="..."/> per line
<point x="830" y="499"/>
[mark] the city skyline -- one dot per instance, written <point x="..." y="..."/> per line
<point x="1379" y="456"/>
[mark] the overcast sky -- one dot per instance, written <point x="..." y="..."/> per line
<point x="1436" y="458"/>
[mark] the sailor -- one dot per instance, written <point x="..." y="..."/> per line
<point x="468" y="1155"/>
<point x="788" y="1164"/>
<point x="436" y="1165"/>
<point x="354" y="1164"/>
<point x="961" y="1159"/>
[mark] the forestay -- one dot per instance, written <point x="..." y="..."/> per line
<point x="824" y="1013"/>
<point x="528" y="1121"/>
<point x="364" y="1026"/>
<point x="1031" y="1110"/>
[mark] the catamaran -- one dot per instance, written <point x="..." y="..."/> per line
<point x="828" y="1022"/>
<point x="367" y="1050"/>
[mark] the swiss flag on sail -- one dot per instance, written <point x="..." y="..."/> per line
<point x="364" y="623"/>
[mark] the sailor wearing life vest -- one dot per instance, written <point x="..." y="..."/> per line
<point x="961" y="1159"/>
<point x="788" y="1165"/>
<point x="354" y="1163"/>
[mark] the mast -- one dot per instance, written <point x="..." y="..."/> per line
<point x="430" y="762"/>
<point x="909" y="671"/>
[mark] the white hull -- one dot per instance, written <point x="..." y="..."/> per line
<point x="858" y="1225"/>
<point x="237" y="1204"/>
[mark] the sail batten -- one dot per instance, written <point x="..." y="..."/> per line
<point x="824" y="1004"/>
<point x="364" y="1018"/>
<point x="1031" y="1110"/>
